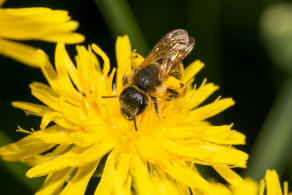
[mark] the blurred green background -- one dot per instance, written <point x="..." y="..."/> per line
<point x="246" y="45"/>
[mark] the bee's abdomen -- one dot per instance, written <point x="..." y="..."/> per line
<point x="147" y="78"/>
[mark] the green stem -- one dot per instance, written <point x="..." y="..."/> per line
<point x="17" y="169"/>
<point x="274" y="141"/>
<point x="121" y="20"/>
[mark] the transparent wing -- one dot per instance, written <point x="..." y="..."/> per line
<point x="170" y="51"/>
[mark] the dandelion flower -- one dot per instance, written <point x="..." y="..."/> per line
<point x="270" y="185"/>
<point x="79" y="130"/>
<point x="34" y="24"/>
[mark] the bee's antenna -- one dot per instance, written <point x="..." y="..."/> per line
<point x="135" y="124"/>
<point x="113" y="96"/>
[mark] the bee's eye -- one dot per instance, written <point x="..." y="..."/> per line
<point x="132" y="102"/>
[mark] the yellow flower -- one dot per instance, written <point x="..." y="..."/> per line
<point x="80" y="130"/>
<point x="34" y="24"/>
<point x="270" y="185"/>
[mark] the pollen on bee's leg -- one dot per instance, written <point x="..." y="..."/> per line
<point x="172" y="93"/>
<point x="175" y="86"/>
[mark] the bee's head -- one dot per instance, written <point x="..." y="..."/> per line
<point x="132" y="102"/>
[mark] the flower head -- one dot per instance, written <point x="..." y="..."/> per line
<point x="79" y="129"/>
<point x="37" y="23"/>
<point x="270" y="185"/>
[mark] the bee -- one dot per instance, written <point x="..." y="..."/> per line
<point x="147" y="81"/>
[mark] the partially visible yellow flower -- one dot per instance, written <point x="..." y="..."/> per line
<point x="34" y="24"/>
<point x="270" y="185"/>
<point x="79" y="128"/>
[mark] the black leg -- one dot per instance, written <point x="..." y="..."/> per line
<point x="155" y="104"/>
<point x="111" y="96"/>
<point x="135" y="124"/>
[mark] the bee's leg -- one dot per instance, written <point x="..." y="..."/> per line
<point x="125" y="80"/>
<point x="175" y="87"/>
<point x="172" y="93"/>
<point x="156" y="106"/>
<point x="135" y="124"/>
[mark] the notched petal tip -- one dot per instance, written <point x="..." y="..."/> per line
<point x="192" y="70"/>
<point x="123" y="55"/>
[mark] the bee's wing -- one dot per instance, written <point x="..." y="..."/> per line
<point x="170" y="51"/>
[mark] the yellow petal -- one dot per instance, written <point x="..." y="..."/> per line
<point x="221" y="189"/>
<point x="187" y="176"/>
<point x="78" y="156"/>
<point x="93" y="153"/>
<point x="59" y="15"/>
<point x="214" y="134"/>
<point x="142" y="182"/>
<point x="209" y="110"/>
<point x="77" y="185"/>
<point x="122" y="174"/>
<point x="165" y="186"/>
<point x="64" y="67"/>
<point x="59" y="135"/>
<point x="64" y="64"/>
<point x="194" y="97"/>
<point x="115" y="174"/>
<point x="207" y="152"/>
<point x="42" y="158"/>
<point x="285" y="187"/>
<point x="123" y="54"/>
<point x="229" y="175"/>
<point x="39" y="110"/>
<point x="54" y="134"/>
<point x="105" y="185"/>
<point x="31" y="108"/>
<point x="50" y="74"/>
<point x="192" y="70"/>
<point x="221" y="135"/>
<point x="262" y="187"/>
<point x="72" y="113"/>
<point x="249" y="186"/>
<point x="47" y="118"/>
<point x="84" y="62"/>
<point x="68" y="38"/>
<point x="106" y="62"/>
<point x="45" y="94"/>
<point x="55" y="164"/>
<point x="272" y="183"/>
<point x="54" y="182"/>
<point x="47" y="25"/>
<point x="102" y="83"/>
<point x="22" y="53"/>
<point x="51" y="166"/>
<point x="151" y="149"/>
<point x="24" y="148"/>
<point x="230" y="137"/>
<point x="34" y="160"/>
